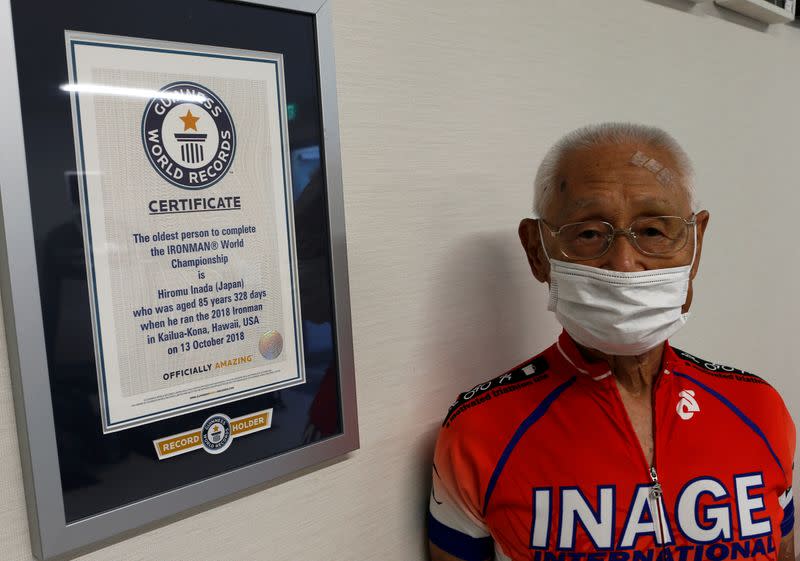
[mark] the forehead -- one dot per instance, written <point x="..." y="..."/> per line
<point x="604" y="179"/>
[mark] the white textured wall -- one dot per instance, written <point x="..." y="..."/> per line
<point x="446" y="107"/>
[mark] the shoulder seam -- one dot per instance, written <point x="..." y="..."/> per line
<point x="713" y="367"/>
<point x="530" y="369"/>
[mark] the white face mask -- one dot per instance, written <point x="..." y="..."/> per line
<point x="619" y="313"/>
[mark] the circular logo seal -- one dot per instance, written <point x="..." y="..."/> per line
<point x="188" y="135"/>
<point x="270" y="345"/>
<point x="216" y="433"/>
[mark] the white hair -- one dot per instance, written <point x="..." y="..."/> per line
<point x="603" y="134"/>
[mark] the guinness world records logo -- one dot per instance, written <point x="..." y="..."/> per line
<point x="189" y="135"/>
<point x="215" y="435"/>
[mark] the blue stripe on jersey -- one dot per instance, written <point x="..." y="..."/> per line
<point x="744" y="418"/>
<point x="787" y="525"/>
<point x="457" y="544"/>
<point x="537" y="414"/>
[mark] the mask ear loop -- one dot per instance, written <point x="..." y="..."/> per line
<point x="541" y="238"/>
<point x="694" y="246"/>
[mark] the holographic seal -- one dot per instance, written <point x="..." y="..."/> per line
<point x="270" y="345"/>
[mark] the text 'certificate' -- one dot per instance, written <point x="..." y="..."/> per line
<point x="187" y="221"/>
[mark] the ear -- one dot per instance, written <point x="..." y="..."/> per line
<point x="702" y="218"/>
<point x="531" y="243"/>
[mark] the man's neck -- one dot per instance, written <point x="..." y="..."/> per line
<point x="634" y="374"/>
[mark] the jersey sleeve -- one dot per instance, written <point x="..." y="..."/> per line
<point x="786" y="499"/>
<point x="455" y="524"/>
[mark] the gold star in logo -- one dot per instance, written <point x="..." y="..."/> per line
<point x="189" y="121"/>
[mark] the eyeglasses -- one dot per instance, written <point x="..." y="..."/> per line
<point x="652" y="235"/>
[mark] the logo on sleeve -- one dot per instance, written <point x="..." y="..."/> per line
<point x="687" y="405"/>
<point x="188" y="135"/>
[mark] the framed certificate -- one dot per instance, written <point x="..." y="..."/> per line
<point x="174" y="268"/>
<point x="189" y="237"/>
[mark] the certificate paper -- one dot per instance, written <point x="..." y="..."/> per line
<point x="187" y="222"/>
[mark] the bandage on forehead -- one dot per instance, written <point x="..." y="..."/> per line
<point x="663" y="174"/>
<point x="639" y="158"/>
<point x="653" y="165"/>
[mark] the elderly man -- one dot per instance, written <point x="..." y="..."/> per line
<point x="612" y="445"/>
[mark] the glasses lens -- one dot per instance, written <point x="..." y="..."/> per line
<point x="585" y="240"/>
<point x="660" y="235"/>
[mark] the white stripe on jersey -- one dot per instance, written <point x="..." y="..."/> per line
<point x="446" y="510"/>
<point x="499" y="555"/>
<point x="581" y="370"/>
<point x="785" y="498"/>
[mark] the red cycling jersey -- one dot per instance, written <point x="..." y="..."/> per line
<point x="543" y="464"/>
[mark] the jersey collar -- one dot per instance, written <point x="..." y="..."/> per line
<point x="598" y="370"/>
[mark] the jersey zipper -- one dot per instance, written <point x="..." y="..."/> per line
<point x="656" y="490"/>
<point x="656" y="493"/>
